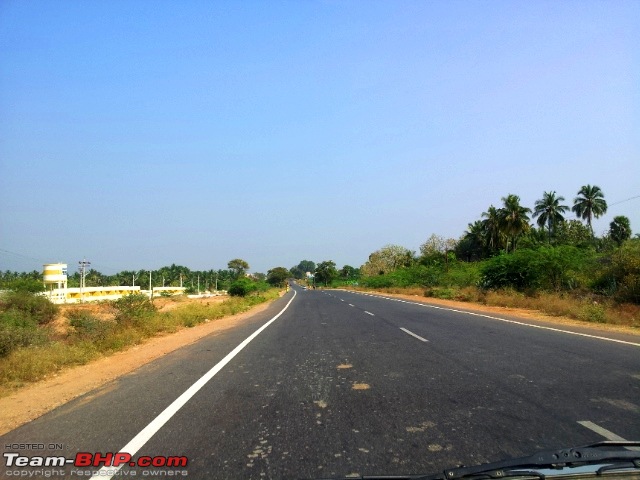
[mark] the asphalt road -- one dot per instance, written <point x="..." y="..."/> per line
<point x="343" y="383"/>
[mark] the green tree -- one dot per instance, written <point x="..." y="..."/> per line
<point x="388" y="259"/>
<point x="471" y="245"/>
<point x="238" y="266"/>
<point x="278" y="276"/>
<point x="436" y="248"/>
<point x="349" y="273"/>
<point x="326" y="272"/>
<point x="573" y="232"/>
<point x="620" y="229"/>
<point x="493" y="236"/>
<point x="549" y="211"/>
<point x="589" y="203"/>
<point x="513" y="219"/>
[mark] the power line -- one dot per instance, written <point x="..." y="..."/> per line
<point x="625" y="200"/>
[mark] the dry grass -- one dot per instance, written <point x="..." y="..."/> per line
<point x="98" y="335"/>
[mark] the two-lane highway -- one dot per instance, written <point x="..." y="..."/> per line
<point x="343" y="383"/>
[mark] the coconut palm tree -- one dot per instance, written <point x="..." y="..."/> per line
<point x="549" y="211"/>
<point x="589" y="203"/>
<point x="513" y="218"/>
<point x="492" y="233"/>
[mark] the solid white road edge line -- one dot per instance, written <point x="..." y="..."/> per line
<point x="414" y="335"/>
<point x="511" y="321"/>
<point x="150" y="430"/>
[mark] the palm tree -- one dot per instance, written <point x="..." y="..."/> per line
<point x="472" y="244"/>
<point x="620" y="229"/>
<point x="493" y="234"/>
<point x="589" y="203"/>
<point x="513" y="218"/>
<point x="549" y="211"/>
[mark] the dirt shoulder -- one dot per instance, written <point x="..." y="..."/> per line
<point x="36" y="399"/>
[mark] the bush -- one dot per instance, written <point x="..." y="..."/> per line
<point x="36" y="307"/>
<point x="17" y="329"/>
<point x="551" y="268"/>
<point x="593" y="312"/>
<point x="88" y="327"/>
<point x="242" y="287"/>
<point x="626" y="271"/>
<point x="133" y="309"/>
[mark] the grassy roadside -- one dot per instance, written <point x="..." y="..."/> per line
<point x="87" y="335"/>
<point x="553" y="304"/>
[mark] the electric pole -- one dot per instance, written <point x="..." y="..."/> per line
<point x="82" y="268"/>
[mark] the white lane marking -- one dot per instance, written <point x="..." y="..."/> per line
<point x="518" y="323"/>
<point x="601" y="431"/>
<point x="351" y="305"/>
<point x="605" y="433"/>
<point x="341" y="300"/>
<point x="413" y="334"/>
<point x="157" y="423"/>
<point x="369" y="313"/>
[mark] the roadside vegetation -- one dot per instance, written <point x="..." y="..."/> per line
<point x="517" y="257"/>
<point x="37" y="338"/>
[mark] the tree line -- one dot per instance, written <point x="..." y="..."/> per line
<point x="505" y="249"/>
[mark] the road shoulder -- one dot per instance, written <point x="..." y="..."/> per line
<point x="34" y="400"/>
<point x="533" y="317"/>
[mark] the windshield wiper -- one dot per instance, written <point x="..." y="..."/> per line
<point x="615" y="454"/>
<point x="611" y="455"/>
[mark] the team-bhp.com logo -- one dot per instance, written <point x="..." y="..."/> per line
<point x="86" y="459"/>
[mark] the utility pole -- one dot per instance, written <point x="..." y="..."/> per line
<point x="150" y="290"/>
<point x="82" y="268"/>
<point x="198" y="284"/>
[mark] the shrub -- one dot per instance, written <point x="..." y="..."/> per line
<point x="593" y="312"/>
<point x="547" y="267"/>
<point x="242" y="287"/>
<point x="36" y="307"/>
<point x="88" y="327"/>
<point x="133" y="309"/>
<point x="626" y="271"/>
<point x="17" y="329"/>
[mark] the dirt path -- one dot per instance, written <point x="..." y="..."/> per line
<point x="34" y="400"/>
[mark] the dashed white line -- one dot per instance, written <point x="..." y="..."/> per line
<point x="369" y="313"/>
<point x="542" y="327"/>
<point x="413" y="334"/>
<point x="351" y="305"/>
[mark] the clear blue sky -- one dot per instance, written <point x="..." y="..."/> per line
<point x="140" y="134"/>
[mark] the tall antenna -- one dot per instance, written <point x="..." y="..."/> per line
<point x="82" y="268"/>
